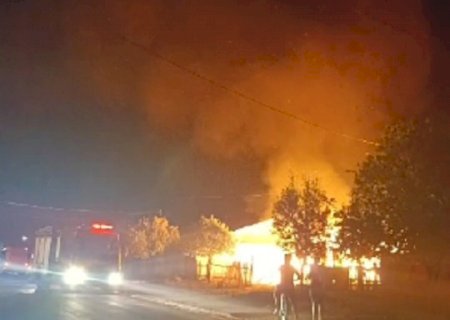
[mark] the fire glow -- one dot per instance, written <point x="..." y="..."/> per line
<point x="256" y="246"/>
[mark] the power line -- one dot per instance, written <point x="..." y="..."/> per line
<point x="235" y="92"/>
<point x="241" y="94"/>
<point x="46" y="209"/>
<point x="39" y="207"/>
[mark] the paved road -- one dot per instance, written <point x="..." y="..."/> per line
<point x="76" y="306"/>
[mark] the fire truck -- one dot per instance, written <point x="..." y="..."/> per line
<point x="81" y="257"/>
<point x="15" y="259"/>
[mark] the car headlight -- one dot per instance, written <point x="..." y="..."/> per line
<point x="74" y="276"/>
<point x="115" y="278"/>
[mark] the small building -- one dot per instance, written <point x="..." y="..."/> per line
<point x="258" y="258"/>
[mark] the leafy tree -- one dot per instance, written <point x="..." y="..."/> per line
<point x="300" y="218"/>
<point x="210" y="237"/>
<point x="151" y="236"/>
<point x="400" y="200"/>
<point x="359" y="236"/>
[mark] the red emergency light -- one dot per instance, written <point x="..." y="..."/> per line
<point x="102" y="228"/>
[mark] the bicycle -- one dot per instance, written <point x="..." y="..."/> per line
<point x="285" y="308"/>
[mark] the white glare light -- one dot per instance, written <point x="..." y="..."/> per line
<point x="115" y="279"/>
<point x="74" y="276"/>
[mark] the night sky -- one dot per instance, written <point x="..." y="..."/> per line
<point x="88" y="120"/>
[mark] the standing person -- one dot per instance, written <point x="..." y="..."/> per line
<point x="316" y="292"/>
<point x="286" y="285"/>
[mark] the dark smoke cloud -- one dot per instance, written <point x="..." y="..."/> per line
<point x="350" y="66"/>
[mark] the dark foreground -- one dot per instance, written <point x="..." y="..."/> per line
<point x="76" y="306"/>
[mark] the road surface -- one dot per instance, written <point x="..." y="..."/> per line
<point x="19" y="300"/>
<point x="76" y="306"/>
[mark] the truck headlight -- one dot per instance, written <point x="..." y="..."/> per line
<point x="115" y="279"/>
<point x="74" y="276"/>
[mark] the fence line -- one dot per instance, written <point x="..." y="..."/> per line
<point x="236" y="274"/>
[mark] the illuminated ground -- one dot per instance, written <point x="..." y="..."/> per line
<point x="19" y="300"/>
<point x="195" y="301"/>
<point x="87" y="307"/>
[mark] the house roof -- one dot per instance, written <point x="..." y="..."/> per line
<point x="258" y="233"/>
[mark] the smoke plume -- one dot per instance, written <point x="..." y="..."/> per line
<point x="350" y="66"/>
